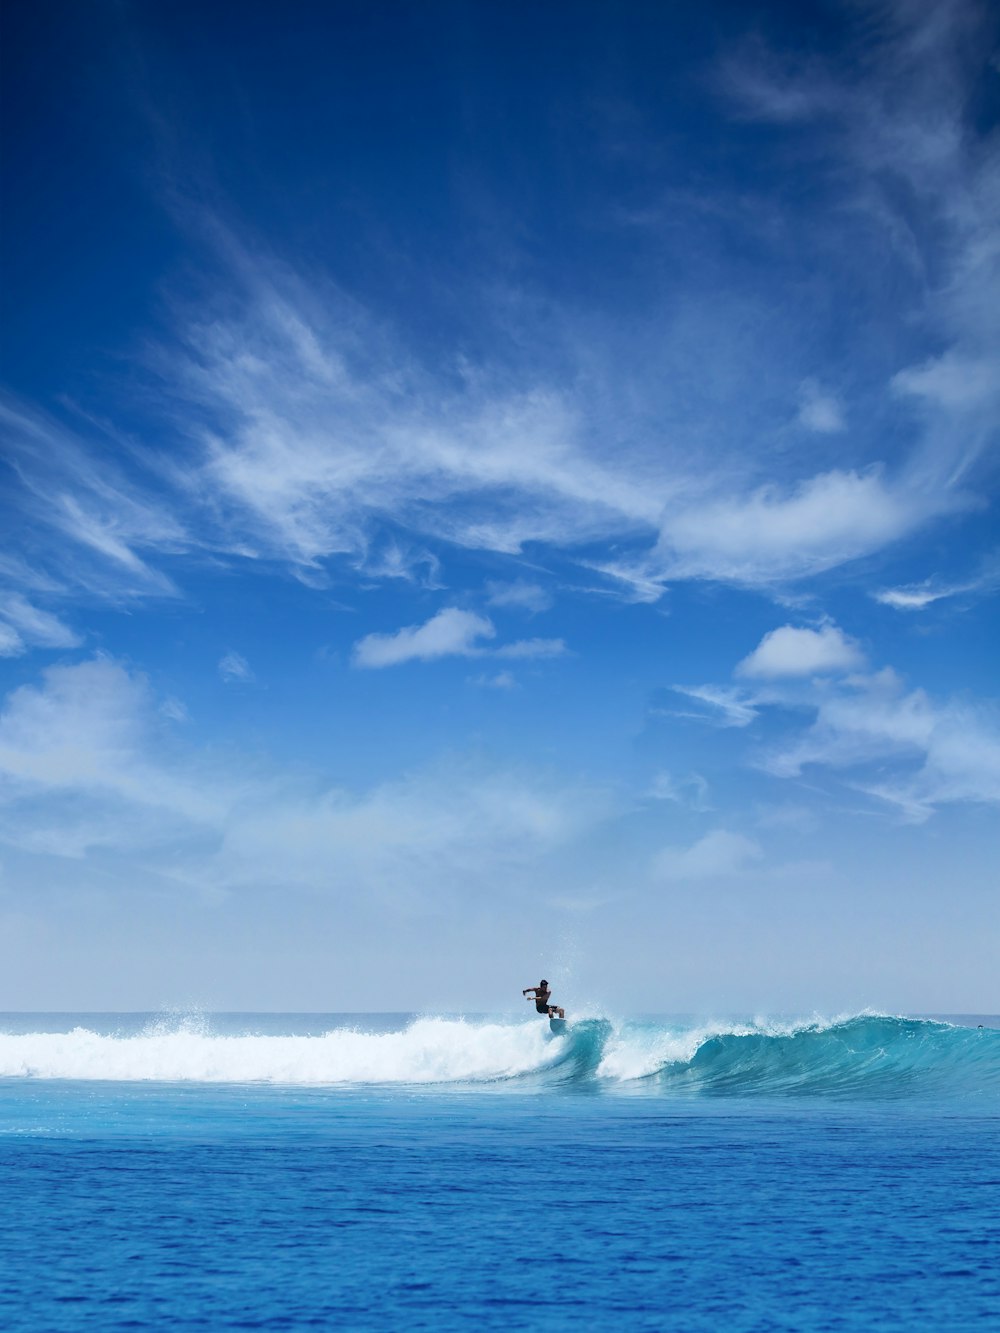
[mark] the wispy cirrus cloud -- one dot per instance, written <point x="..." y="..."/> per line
<point x="902" y="117"/>
<point x="690" y="790"/>
<point x="318" y="424"/>
<point x="913" y="597"/>
<point x="34" y="625"/>
<point x="300" y="428"/>
<point x="918" y="596"/>
<point x="724" y="706"/>
<point x="775" y="534"/>
<point x="111" y="529"/>
<point x="11" y="643"/>
<point x="318" y="432"/>
<point x="234" y="668"/>
<point x="399" y="560"/>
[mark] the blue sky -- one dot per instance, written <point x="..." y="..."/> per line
<point x="490" y="491"/>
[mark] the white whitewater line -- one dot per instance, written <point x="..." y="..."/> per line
<point x="428" y="1051"/>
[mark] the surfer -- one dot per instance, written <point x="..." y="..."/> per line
<point x="540" y="994"/>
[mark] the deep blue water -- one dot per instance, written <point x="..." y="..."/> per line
<point x="293" y="1172"/>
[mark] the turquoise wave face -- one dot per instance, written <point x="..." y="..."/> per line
<point x="866" y="1056"/>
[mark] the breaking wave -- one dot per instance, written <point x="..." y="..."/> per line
<point x="862" y="1056"/>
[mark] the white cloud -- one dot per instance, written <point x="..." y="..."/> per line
<point x="85" y="763"/>
<point x="778" y="534"/>
<point x="501" y="680"/>
<point x="819" y="410"/>
<point x="11" y="643"/>
<point x="925" y="753"/>
<point x="870" y="719"/>
<point x="770" y="535"/>
<point x="520" y="594"/>
<point x="432" y="830"/>
<point x="175" y="710"/>
<point x="951" y="380"/>
<point x="690" y="790"/>
<point x="913" y="598"/>
<point x="895" y="743"/>
<point x="790" y="651"/>
<point x="916" y="596"/>
<point x="718" y="854"/>
<point x="235" y="667"/>
<point x="452" y="632"/>
<point x="786" y="815"/>
<point x="398" y="561"/>
<point x="525" y="648"/>
<point x="87" y="731"/>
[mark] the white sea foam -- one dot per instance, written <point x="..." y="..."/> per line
<point x="430" y="1050"/>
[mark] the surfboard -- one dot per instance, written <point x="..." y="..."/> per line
<point x="557" y="1025"/>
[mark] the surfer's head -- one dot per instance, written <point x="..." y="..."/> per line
<point x="543" y="984"/>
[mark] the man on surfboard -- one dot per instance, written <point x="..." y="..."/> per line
<point x="540" y="994"/>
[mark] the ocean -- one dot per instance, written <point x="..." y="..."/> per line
<point x="314" y="1171"/>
